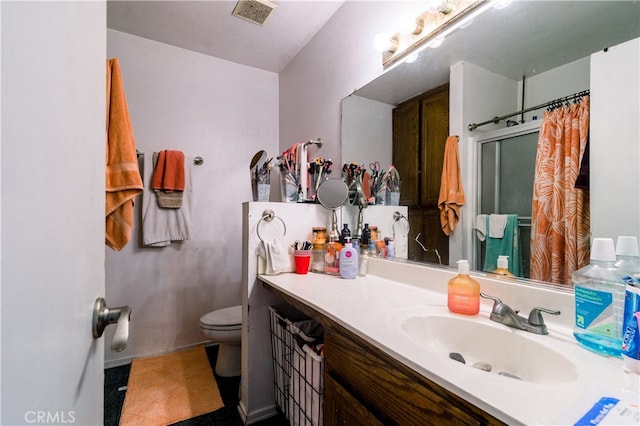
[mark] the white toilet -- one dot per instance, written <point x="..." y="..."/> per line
<point x="224" y="327"/>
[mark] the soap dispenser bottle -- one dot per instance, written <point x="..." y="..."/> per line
<point x="463" y="292"/>
<point x="503" y="267"/>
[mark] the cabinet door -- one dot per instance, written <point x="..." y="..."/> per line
<point x="341" y="408"/>
<point x="434" y="132"/>
<point x="379" y="385"/>
<point x="406" y="129"/>
<point x="426" y="222"/>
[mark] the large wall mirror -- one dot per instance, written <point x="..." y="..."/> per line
<point x="511" y="59"/>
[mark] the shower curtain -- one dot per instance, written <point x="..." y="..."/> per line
<point x="560" y="222"/>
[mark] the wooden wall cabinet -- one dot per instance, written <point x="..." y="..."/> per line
<point x="420" y="131"/>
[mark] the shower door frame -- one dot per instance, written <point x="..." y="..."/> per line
<point x="480" y="140"/>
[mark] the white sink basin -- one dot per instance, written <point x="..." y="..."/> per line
<point x="507" y="351"/>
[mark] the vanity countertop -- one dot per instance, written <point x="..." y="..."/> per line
<point x="374" y="306"/>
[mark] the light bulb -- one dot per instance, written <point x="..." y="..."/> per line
<point x="439" y="6"/>
<point x="411" y="58"/>
<point x="436" y="42"/>
<point x="383" y="43"/>
<point x="501" y="4"/>
<point x="412" y="26"/>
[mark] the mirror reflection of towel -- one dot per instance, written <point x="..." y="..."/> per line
<point x="481" y="226"/>
<point x="507" y="245"/>
<point x="451" y="196"/>
<point x="497" y="223"/>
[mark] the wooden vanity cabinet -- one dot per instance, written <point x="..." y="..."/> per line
<point x="365" y="386"/>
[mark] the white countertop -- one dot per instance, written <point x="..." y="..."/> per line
<point x="373" y="307"/>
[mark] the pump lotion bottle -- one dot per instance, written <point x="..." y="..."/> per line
<point x="463" y="292"/>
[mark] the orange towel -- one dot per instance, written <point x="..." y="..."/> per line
<point x="451" y="192"/>
<point x="123" y="181"/>
<point x="168" y="175"/>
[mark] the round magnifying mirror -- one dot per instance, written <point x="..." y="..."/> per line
<point x="332" y="193"/>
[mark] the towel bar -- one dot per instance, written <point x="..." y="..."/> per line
<point x="198" y="161"/>
<point x="268" y="216"/>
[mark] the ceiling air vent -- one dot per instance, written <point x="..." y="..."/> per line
<point x="256" y="11"/>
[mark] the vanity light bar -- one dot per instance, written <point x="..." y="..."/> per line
<point x="436" y="26"/>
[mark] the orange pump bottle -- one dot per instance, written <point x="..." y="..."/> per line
<point x="503" y="267"/>
<point x="463" y="292"/>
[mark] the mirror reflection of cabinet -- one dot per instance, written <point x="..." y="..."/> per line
<point x="420" y="130"/>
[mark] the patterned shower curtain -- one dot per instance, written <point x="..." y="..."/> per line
<point x="560" y="222"/>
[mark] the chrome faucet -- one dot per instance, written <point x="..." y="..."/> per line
<point x="503" y="314"/>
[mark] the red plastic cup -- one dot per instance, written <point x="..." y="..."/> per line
<point x="302" y="258"/>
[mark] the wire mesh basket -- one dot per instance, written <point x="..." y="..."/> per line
<point x="297" y="368"/>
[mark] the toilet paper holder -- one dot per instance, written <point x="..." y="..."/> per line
<point x="103" y="316"/>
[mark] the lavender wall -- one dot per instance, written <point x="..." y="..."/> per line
<point x="206" y="107"/>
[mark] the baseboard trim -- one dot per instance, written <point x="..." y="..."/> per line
<point x="127" y="360"/>
<point x="257" y="415"/>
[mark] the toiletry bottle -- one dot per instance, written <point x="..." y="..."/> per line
<point x="300" y="194"/>
<point x="463" y="292"/>
<point x="628" y="264"/>
<point x="631" y="329"/>
<point x="363" y="263"/>
<point x="366" y="235"/>
<point x="374" y="233"/>
<point x="348" y="260"/>
<point x="391" y="248"/>
<point x="372" y="249"/>
<point x="319" y="237"/>
<point x="599" y="298"/>
<point x="503" y="267"/>
<point x="346" y="233"/>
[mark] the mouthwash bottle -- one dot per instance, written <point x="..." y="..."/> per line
<point x="599" y="298"/>
<point x="629" y="265"/>
<point x="627" y="257"/>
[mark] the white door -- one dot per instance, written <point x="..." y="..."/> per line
<point x="52" y="211"/>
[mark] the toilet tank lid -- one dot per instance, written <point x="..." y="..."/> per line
<point x="226" y="316"/>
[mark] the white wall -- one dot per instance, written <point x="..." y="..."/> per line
<point x="366" y="131"/>
<point x="206" y="107"/>
<point x="475" y="95"/>
<point x="615" y="141"/>
<point x="556" y="83"/>
<point x="337" y="61"/>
